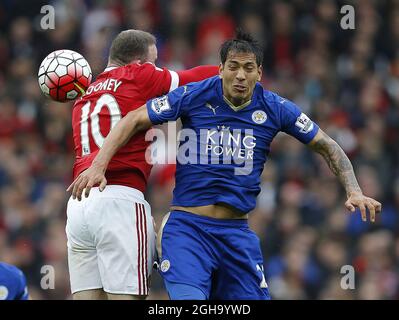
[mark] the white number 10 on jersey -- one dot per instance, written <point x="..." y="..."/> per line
<point x="106" y="100"/>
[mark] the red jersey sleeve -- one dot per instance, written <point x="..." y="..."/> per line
<point x="160" y="81"/>
<point x="155" y="81"/>
<point x="197" y="74"/>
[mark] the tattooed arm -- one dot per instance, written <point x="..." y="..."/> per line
<point x="341" y="166"/>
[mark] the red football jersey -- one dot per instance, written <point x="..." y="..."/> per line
<point x="115" y="92"/>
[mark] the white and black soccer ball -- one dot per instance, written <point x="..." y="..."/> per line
<point x="64" y="75"/>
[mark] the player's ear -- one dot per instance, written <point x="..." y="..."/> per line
<point x="260" y="70"/>
<point x="220" y="69"/>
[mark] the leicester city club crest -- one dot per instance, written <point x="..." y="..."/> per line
<point x="259" y="116"/>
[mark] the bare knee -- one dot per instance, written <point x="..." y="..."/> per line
<point x="94" y="294"/>
<point x="112" y="296"/>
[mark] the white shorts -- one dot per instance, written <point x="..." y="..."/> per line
<point x="111" y="241"/>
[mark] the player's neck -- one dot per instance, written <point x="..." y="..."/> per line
<point x="117" y="64"/>
<point x="114" y="64"/>
<point x="237" y="105"/>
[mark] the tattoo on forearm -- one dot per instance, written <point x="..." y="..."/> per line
<point x="338" y="162"/>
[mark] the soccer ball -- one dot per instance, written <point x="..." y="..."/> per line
<point x="64" y="75"/>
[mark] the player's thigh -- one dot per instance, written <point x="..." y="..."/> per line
<point x="241" y="273"/>
<point x="82" y="256"/>
<point x="78" y="235"/>
<point x="125" y="241"/>
<point x="182" y="291"/>
<point x="94" y="294"/>
<point x="185" y="252"/>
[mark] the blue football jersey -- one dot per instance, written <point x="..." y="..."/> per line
<point x="223" y="148"/>
<point x="12" y="283"/>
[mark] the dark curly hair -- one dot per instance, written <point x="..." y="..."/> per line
<point x="243" y="42"/>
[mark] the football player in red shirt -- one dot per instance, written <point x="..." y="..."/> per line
<point x="111" y="237"/>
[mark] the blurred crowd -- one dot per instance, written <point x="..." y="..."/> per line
<point x="346" y="80"/>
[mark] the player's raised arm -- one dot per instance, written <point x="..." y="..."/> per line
<point x="155" y="111"/>
<point x="341" y="166"/>
<point x="197" y="74"/>
<point x="132" y="123"/>
<point x="300" y="126"/>
<point x="162" y="80"/>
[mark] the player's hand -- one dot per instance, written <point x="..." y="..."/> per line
<point x="86" y="180"/>
<point x="362" y="202"/>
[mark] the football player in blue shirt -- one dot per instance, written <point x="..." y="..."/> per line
<point x="12" y="283"/>
<point x="205" y="246"/>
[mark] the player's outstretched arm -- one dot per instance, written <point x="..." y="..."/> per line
<point x="341" y="166"/>
<point x="132" y="123"/>
<point x="197" y="74"/>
